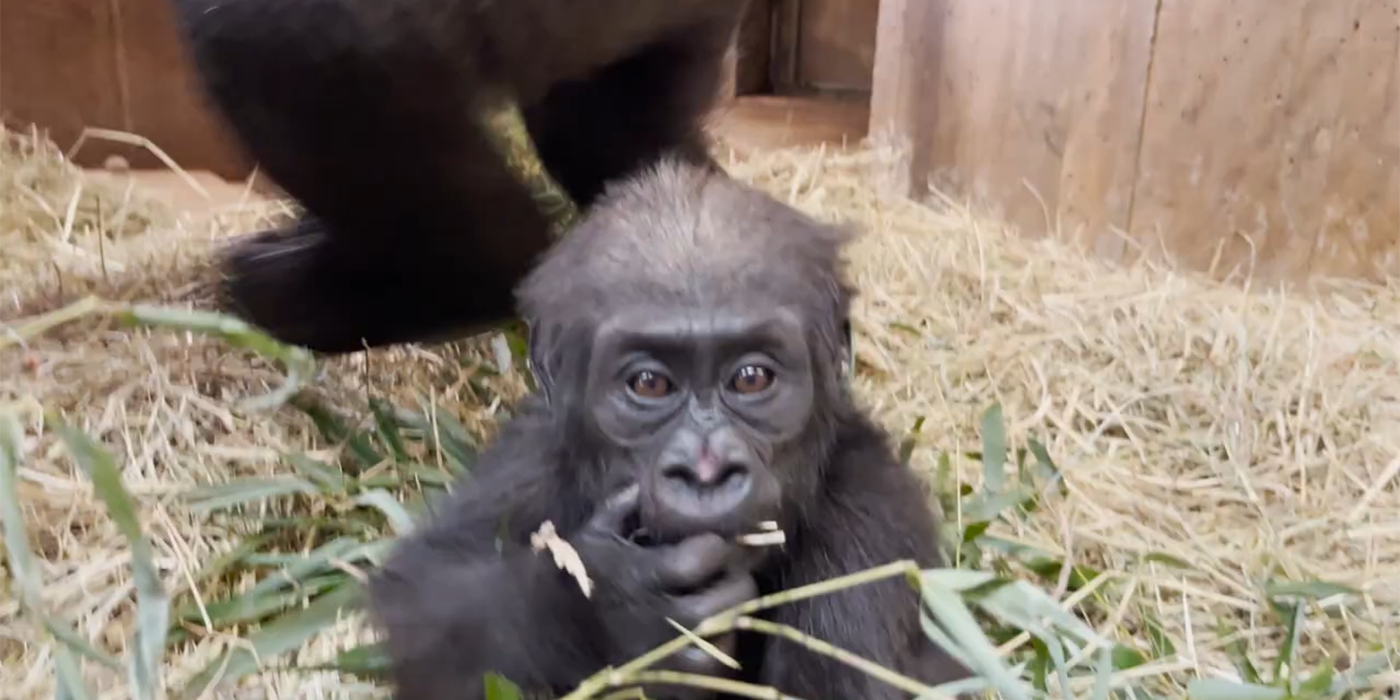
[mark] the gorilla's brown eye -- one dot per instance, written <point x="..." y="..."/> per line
<point x="649" y="385"/>
<point x="752" y="379"/>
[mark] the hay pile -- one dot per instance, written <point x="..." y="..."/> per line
<point x="1247" y="436"/>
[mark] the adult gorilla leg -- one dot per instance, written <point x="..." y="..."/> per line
<point x="415" y="228"/>
<point x="592" y="131"/>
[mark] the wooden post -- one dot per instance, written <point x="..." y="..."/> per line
<point x="902" y="108"/>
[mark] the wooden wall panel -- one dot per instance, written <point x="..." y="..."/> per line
<point x="836" y="44"/>
<point x="1278" y="121"/>
<point x="1038" y="108"/>
<point x="56" y="66"/>
<point x="163" y="98"/>
<point x="115" y="64"/>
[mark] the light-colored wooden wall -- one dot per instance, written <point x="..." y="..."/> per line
<point x="1267" y="129"/>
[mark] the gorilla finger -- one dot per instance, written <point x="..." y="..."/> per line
<point x="732" y="591"/>
<point x="694" y="561"/>
<point x="613" y="515"/>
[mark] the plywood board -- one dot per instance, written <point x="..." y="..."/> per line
<point x="164" y="99"/>
<point x="836" y="49"/>
<point x="904" y="95"/>
<point x="1038" y="109"/>
<point x="56" y="66"/>
<point x="66" y="65"/>
<point x="1273" y="131"/>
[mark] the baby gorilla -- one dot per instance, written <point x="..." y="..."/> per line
<point x="688" y="341"/>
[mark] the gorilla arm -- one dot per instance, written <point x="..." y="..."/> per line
<point x="455" y="608"/>
<point x="874" y="514"/>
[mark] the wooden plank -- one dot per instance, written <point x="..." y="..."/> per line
<point x="165" y="102"/>
<point x="786" y="44"/>
<point x="836" y="48"/>
<point x="1039" y="110"/>
<point x="904" y="96"/>
<point x="1273" y="131"/>
<point x="754" y="48"/>
<point x="56" y="67"/>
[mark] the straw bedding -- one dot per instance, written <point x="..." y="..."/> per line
<point x="1248" y="434"/>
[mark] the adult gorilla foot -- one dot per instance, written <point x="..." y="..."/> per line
<point x="295" y="285"/>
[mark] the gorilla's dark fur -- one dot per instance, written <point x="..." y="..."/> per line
<point x="702" y="274"/>
<point x="687" y="334"/>
<point x="363" y="111"/>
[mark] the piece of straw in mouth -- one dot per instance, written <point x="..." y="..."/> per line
<point x="769" y="536"/>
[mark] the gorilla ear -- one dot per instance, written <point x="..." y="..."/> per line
<point x="848" y="351"/>
<point x="557" y="356"/>
<point x="538" y="359"/>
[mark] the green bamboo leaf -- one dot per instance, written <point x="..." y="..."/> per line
<point x="1219" y="689"/>
<point x="207" y="499"/>
<point x="388" y="428"/>
<point x="498" y="688"/>
<point x="70" y="685"/>
<point x="449" y="437"/>
<point x="299" y="363"/>
<point x="906" y="447"/>
<point x="1293" y="616"/>
<point x="1126" y="657"/>
<point x="1168" y="559"/>
<point x="19" y="556"/>
<point x="1319" y="684"/>
<point x="1238" y="654"/>
<point x="1311" y="590"/>
<point x="284" y="634"/>
<point x="152" y="602"/>
<point x="369" y="661"/>
<point x="245" y="608"/>
<point x="993" y="449"/>
<point x="1049" y="470"/>
<point x="1162" y="646"/>
<point x="946" y="605"/>
<point x="69" y="637"/>
<point x="335" y="431"/>
<point x="321" y="560"/>
<point x="989" y="505"/>
<point x="21" y="559"/>
<point x="331" y="480"/>
<point x="399" y="518"/>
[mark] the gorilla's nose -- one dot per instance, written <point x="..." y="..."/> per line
<point x="708" y="472"/>
<point x="707" y="484"/>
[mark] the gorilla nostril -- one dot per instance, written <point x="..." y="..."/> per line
<point x="733" y="474"/>
<point x="680" y="473"/>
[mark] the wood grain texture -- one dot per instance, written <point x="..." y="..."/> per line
<point x="904" y="96"/>
<point x="56" y="67"/>
<point x="67" y="65"/>
<point x="164" y="100"/>
<point x="1038" y="108"/>
<point x="1273" y="134"/>
<point x="836" y="49"/>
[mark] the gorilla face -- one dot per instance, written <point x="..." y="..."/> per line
<point x="698" y="406"/>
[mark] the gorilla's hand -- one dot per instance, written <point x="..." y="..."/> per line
<point x="638" y="588"/>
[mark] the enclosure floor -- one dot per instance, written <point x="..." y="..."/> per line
<point x="1209" y="440"/>
<point x="762" y="122"/>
